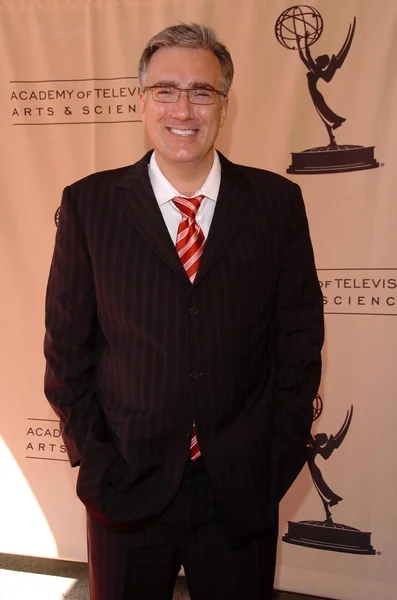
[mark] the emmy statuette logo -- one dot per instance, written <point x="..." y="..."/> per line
<point x="299" y="28"/>
<point x="327" y="534"/>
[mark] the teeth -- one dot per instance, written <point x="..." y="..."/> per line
<point x="183" y="132"/>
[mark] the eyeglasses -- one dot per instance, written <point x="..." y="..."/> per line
<point x="172" y="94"/>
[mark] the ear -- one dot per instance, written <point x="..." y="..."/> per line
<point x="224" y="108"/>
<point x="142" y="105"/>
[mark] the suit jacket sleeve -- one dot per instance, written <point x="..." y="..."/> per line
<point x="71" y="326"/>
<point x="297" y="335"/>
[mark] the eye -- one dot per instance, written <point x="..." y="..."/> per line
<point x="164" y="92"/>
<point x="202" y="93"/>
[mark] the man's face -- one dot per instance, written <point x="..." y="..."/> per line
<point x="183" y="132"/>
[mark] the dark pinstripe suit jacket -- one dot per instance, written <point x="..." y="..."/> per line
<point x="135" y="353"/>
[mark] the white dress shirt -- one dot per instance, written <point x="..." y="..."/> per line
<point x="164" y="191"/>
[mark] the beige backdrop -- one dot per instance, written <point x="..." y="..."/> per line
<point x="69" y="107"/>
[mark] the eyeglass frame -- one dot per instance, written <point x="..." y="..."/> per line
<point x="179" y="90"/>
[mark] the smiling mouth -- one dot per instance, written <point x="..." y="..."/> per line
<point x="182" y="132"/>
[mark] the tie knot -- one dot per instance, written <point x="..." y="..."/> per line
<point x="188" y="206"/>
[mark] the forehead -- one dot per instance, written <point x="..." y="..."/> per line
<point x="183" y="67"/>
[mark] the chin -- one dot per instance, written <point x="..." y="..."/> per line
<point x="183" y="157"/>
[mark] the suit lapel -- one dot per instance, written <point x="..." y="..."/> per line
<point x="230" y="211"/>
<point x="140" y="205"/>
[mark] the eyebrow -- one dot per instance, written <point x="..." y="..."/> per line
<point x="194" y="85"/>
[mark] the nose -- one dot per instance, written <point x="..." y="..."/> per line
<point x="182" y="108"/>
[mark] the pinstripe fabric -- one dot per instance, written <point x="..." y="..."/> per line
<point x="190" y="245"/>
<point x="144" y="565"/>
<point x="136" y="353"/>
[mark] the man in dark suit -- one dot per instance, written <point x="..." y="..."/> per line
<point x="184" y="326"/>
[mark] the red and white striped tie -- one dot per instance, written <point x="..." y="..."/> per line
<point x="190" y="238"/>
<point x="190" y="243"/>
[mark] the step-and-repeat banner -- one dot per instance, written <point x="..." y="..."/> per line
<point x="314" y="98"/>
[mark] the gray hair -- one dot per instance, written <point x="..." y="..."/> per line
<point x="193" y="36"/>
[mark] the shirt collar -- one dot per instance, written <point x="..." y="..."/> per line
<point x="164" y="191"/>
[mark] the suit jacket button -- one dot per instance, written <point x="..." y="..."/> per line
<point x="193" y="310"/>
<point x="194" y="375"/>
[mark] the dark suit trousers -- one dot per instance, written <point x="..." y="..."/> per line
<point x="144" y="565"/>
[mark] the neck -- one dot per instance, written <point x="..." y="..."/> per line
<point x="188" y="177"/>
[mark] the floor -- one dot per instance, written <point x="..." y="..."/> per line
<point x="27" y="578"/>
